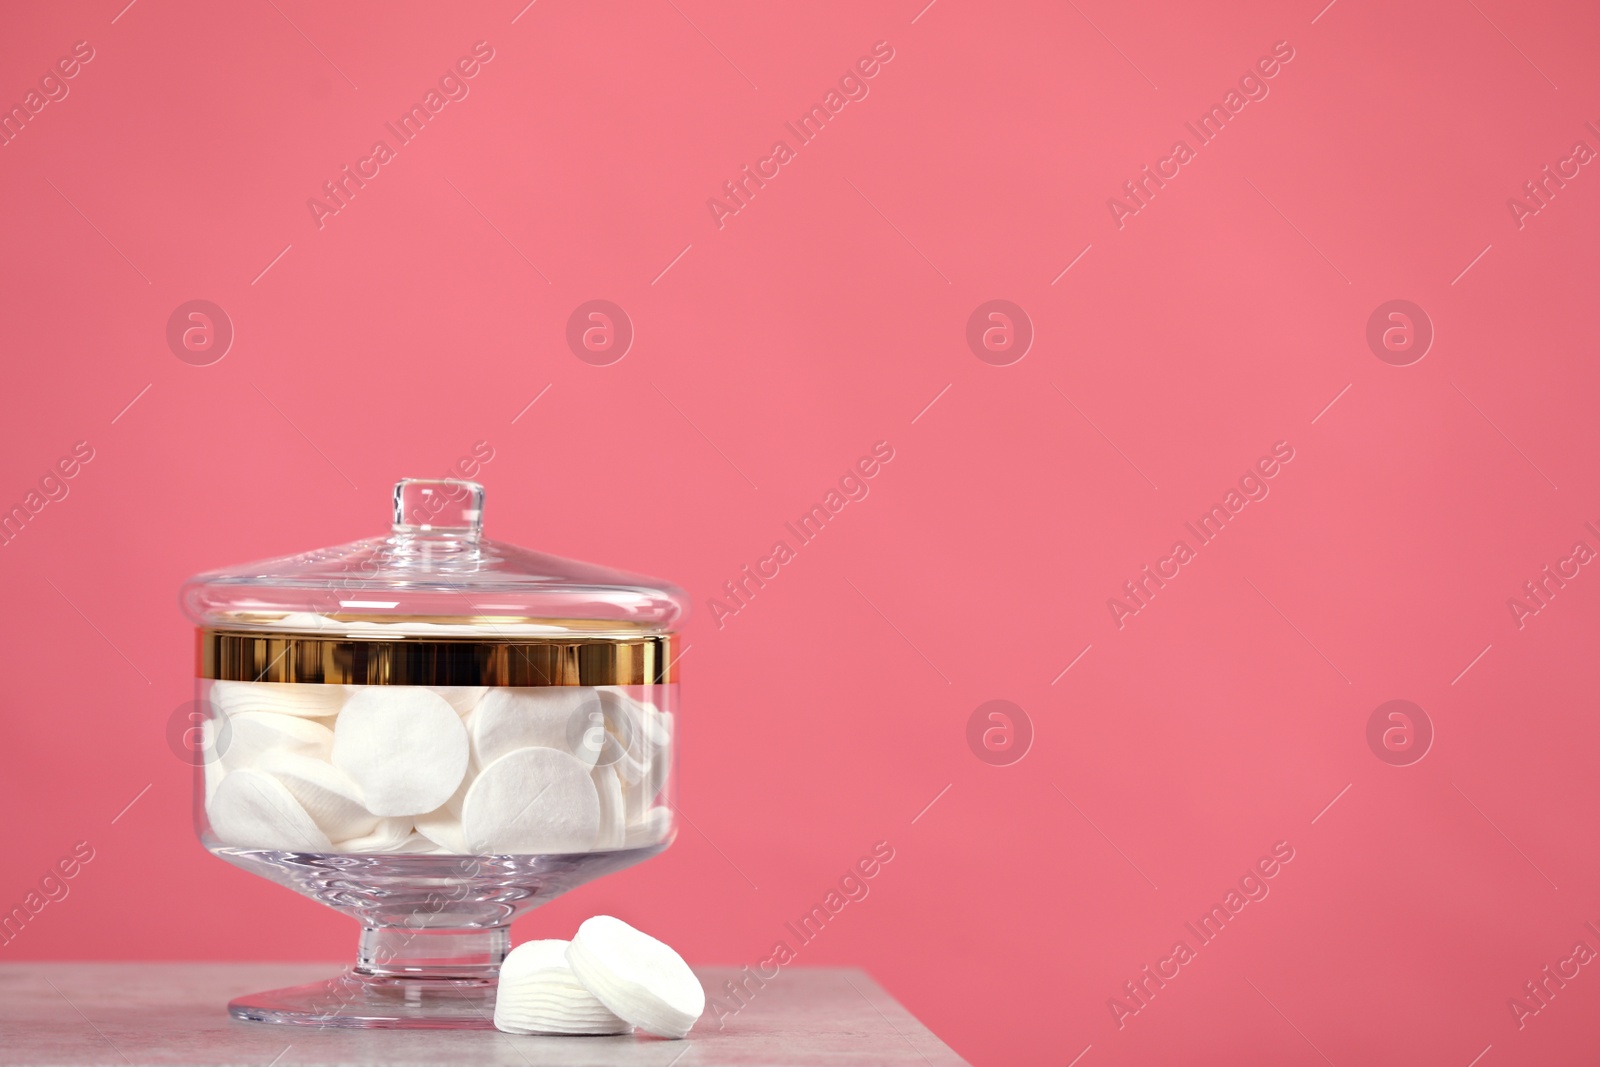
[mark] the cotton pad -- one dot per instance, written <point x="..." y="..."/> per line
<point x="327" y="793"/>
<point x="538" y="994"/>
<point x="651" y="829"/>
<point x="657" y="727"/>
<point x="255" y="810"/>
<point x="629" y="767"/>
<point x="418" y="843"/>
<point x="633" y="733"/>
<point x="443" y="827"/>
<point x="211" y="758"/>
<point x="390" y="835"/>
<point x="463" y="697"/>
<point x="646" y="761"/>
<point x="640" y="794"/>
<point x="637" y="977"/>
<point x="623" y="713"/>
<point x="548" y="717"/>
<point x="655" y="748"/>
<point x="531" y="801"/>
<point x="404" y="747"/>
<point x="286" y="698"/>
<point x="251" y="735"/>
<point x="613" y="817"/>
<point x="655" y="777"/>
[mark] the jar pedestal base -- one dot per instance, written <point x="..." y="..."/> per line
<point x="383" y="1002"/>
<point x="404" y="978"/>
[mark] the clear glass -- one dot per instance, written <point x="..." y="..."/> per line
<point x="433" y="815"/>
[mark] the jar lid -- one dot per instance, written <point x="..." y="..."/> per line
<point x="434" y="577"/>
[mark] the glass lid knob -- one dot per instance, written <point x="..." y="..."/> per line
<point x="438" y="507"/>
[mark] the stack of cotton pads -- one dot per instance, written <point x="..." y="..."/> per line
<point x="463" y="770"/>
<point x="539" y="994"/>
<point x="608" y="979"/>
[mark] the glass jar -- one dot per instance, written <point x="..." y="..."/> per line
<point x="431" y="732"/>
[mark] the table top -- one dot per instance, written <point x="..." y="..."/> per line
<point x="138" y="1014"/>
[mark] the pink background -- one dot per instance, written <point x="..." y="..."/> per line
<point x="1227" y="315"/>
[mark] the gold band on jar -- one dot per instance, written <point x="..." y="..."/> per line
<point x="244" y="656"/>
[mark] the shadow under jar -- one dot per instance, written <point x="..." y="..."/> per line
<point x="432" y="733"/>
